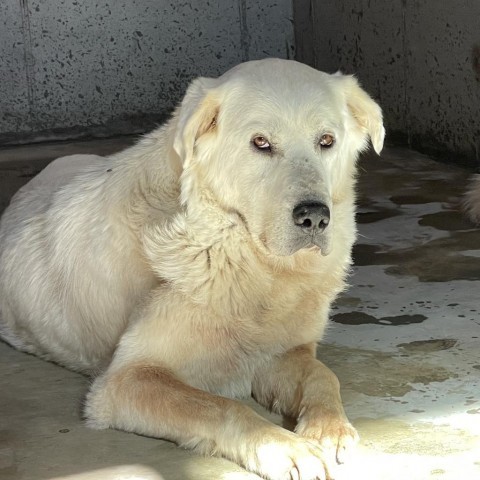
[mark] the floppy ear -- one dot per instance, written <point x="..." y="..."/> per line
<point x="364" y="110"/>
<point x="196" y="116"/>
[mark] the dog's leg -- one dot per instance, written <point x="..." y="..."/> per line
<point x="471" y="202"/>
<point x="149" y="400"/>
<point x="300" y="386"/>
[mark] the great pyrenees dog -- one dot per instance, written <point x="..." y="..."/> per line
<point x="198" y="267"/>
<point x="471" y="203"/>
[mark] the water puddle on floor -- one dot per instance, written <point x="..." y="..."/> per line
<point x="446" y="220"/>
<point x="360" y="318"/>
<point x="382" y="374"/>
<point x="377" y="214"/>
<point x="433" y="345"/>
<point x="439" y="260"/>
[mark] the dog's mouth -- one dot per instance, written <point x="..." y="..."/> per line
<point x="286" y="245"/>
<point x="319" y="245"/>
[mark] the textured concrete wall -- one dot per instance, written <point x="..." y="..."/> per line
<point x="420" y="59"/>
<point x="70" y="68"/>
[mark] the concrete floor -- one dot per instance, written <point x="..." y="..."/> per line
<point x="404" y="341"/>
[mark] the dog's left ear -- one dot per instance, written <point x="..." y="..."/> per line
<point x="196" y="116"/>
<point x="364" y="110"/>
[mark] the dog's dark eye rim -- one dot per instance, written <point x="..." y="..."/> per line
<point x="327" y="140"/>
<point x="261" y="143"/>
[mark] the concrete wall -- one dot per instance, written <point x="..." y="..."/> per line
<point x="70" y="68"/>
<point x="420" y="59"/>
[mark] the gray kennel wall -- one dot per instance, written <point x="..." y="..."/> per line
<point x="420" y="59"/>
<point x="70" y="68"/>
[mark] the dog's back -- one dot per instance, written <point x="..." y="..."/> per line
<point x="68" y="215"/>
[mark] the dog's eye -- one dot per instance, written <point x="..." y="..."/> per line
<point x="327" y="140"/>
<point x="262" y="143"/>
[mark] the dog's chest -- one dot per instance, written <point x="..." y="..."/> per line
<point x="227" y="356"/>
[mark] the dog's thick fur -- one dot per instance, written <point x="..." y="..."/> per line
<point x="471" y="203"/>
<point x="174" y="271"/>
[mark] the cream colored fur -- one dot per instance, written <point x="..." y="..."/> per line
<point x="174" y="273"/>
<point x="471" y="202"/>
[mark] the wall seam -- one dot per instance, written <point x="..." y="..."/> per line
<point x="244" y="35"/>
<point x="405" y="74"/>
<point x="27" y="51"/>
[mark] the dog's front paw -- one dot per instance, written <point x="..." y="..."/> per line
<point x="278" y="454"/>
<point x="333" y="432"/>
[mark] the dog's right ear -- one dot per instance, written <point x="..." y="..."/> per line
<point x="366" y="112"/>
<point x="196" y="116"/>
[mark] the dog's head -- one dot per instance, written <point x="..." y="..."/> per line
<point x="276" y="142"/>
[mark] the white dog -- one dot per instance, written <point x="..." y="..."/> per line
<point x="471" y="203"/>
<point x="200" y="264"/>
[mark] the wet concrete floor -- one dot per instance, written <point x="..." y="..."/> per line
<point x="404" y="341"/>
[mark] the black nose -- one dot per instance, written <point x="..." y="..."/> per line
<point x="311" y="216"/>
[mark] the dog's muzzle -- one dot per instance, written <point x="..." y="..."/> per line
<point x="311" y="217"/>
<point x="311" y="220"/>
